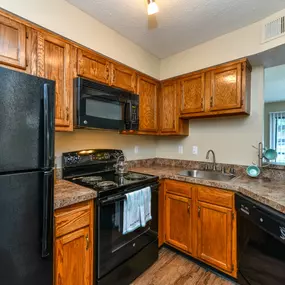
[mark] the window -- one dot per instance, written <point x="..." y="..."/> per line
<point x="277" y="134"/>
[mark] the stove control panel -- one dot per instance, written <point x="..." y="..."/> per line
<point x="90" y="157"/>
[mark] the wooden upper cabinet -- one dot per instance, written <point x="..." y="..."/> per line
<point x="226" y="88"/>
<point x="192" y="94"/>
<point x="178" y="230"/>
<point x="148" y="114"/>
<point x="54" y="62"/>
<point x="123" y="77"/>
<point x="168" y="108"/>
<point x="73" y="262"/>
<point x="12" y="43"/>
<point x="215" y="231"/>
<point x="93" y="66"/>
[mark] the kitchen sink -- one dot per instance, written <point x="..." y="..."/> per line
<point x="206" y="174"/>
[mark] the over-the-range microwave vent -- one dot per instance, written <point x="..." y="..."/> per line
<point x="273" y="27"/>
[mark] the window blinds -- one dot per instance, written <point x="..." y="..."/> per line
<point x="277" y="134"/>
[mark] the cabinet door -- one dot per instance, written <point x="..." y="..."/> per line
<point x="178" y="222"/>
<point x="73" y="258"/>
<point x="123" y="77"/>
<point x="192" y="94"/>
<point x="226" y="88"/>
<point x="93" y="66"/>
<point x="147" y="90"/>
<point x="168" y="108"/>
<point x="215" y="228"/>
<point x="54" y="62"/>
<point x="12" y="43"/>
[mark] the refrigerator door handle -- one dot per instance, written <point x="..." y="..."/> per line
<point x="47" y="223"/>
<point x="47" y="128"/>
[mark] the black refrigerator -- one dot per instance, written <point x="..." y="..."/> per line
<point x="26" y="178"/>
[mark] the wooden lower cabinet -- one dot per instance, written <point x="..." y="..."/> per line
<point x="74" y="245"/>
<point x="215" y="235"/>
<point x="201" y="222"/>
<point x="73" y="261"/>
<point x="178" y="221"/>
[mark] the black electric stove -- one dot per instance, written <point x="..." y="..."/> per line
<point x="119" y="258"/>
<point x="95" y="169"/>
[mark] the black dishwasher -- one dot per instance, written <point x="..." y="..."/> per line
<point x="261" y="243"/>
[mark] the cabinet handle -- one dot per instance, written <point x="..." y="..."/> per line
<point x="67" y="114"/>
<point x="202" y="103"/>
<point x="199" y="211"/>
<point x="211" y="102"/>
<point x="188" y="208"/>
<point x="87" y="242"/>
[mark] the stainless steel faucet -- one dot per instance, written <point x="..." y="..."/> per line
<point x="214" y="158"/>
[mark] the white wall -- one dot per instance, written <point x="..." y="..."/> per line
<point x="61" y="17"/>
<point x="231" y="138"/>
<point x="240" y="43"/>
<point x="85" y="139"/>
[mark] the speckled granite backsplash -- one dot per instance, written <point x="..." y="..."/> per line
<point x="273" y="173"/>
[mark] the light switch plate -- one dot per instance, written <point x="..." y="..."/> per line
<point x="180" y="149"/>
<point x="195" y="150"/>
<point x="136" y="149"/>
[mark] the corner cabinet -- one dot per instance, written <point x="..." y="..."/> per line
<point x="55" y="62"/>
<point x="12" y="43"/>
<point x="170" y="123"/>
<point x="148" y="89"/>
<point x="201" y="222"/>
<point x="74" y="245"/>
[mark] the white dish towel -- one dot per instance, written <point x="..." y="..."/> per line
<point x="145" y="208"/>
<point x="132" y="217"/>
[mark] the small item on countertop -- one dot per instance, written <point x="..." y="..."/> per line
<point x="253" y="171"/>
<point x="270" y="154"/>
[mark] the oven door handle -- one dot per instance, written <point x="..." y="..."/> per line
<point x="113" y="199"/>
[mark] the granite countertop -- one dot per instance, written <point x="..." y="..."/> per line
<point x="270" y="193"/>
<point x="68" y="193"/>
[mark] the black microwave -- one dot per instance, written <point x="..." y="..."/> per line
<point x="103" y="107"/>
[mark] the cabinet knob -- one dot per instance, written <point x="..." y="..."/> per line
<point x="199" y="211"/>
<point x="85" y="122"/>
<point x="188" y="208"/>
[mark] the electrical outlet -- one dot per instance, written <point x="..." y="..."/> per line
<point x="180" y="149"/>
<point x="136" y="149"/>
<point x="195" y="150"/>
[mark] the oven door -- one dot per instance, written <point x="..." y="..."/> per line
<point x="113" y="248"/>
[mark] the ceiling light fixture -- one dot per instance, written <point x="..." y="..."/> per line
<point x="152" y="7"/>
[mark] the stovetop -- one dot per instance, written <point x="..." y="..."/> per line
<point x="94" y="168"/>
<point x="108" y="182"/>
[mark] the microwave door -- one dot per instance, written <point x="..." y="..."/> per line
<point x="102" y="112"/>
